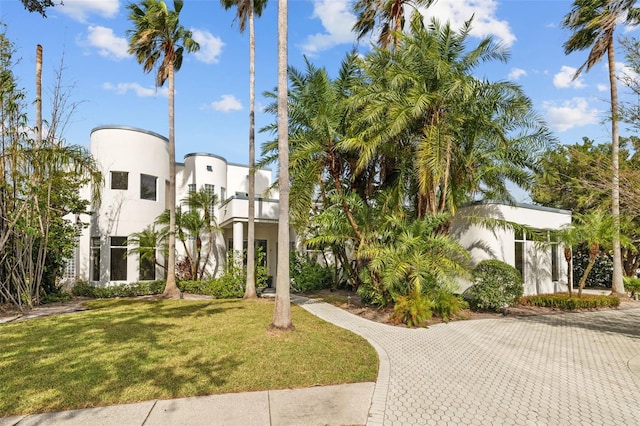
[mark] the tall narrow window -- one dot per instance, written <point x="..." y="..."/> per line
<point x="147" y="266"/>
<point x="118" y="270"/>
<point x="191" y="187"/>
<point x="555" y="273"/>
<point x="223" y="194"/>
<point x="95" y="258"/>
<point x="519" y="251"/>
<point x="148" y="187"/>
<point x="210" y="190"/>
<point x="120" y="180"/>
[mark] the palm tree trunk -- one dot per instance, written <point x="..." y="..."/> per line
<point x="171" y="289"/>
<point x="282" y="309"/>
<point x="38" y="96"/>
<point x="617" y="284"/>
<point x="585" y="274"/>
<point x="250" y="290"/>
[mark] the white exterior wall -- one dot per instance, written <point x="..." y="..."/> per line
<point x="123" y="212"/>
<point x="483" y="243"/>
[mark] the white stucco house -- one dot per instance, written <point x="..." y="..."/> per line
<point x="543" y="267"/>
<point x="135" y="166"/>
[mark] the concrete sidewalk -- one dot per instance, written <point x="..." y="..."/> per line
<point x="322" y="405"/>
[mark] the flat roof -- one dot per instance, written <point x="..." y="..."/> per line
<point x="521" y="205"/>
<point x="131" y="129"/>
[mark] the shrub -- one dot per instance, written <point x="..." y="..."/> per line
<point x="412" y="310"/>
<point x="632" y="285"/>
<point x="309" y="275"/>
<point x="141" y="288"/>
<point x="564" y="301"/>
<point x="55" y="297"/>
<point x="496" y="285"/>
<point x="447" y="305"/>
<point x="224" y="287"/>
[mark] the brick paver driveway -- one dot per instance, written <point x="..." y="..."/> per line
<point x="579" y="368"/>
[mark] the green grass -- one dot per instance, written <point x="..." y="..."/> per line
<point x="124" y="351"/>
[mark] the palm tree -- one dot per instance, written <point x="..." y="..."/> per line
<point x="595" y="229"/>
<point x="388" y="15"/>
<point x="282" y="309"/>
<point x="593" y="23"/>
<point x="464" y="136"/>
<point x="245" y="10"/>
<point x="159" y="41"/>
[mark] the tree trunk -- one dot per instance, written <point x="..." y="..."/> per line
<point x="617" y="284"/>
<point x="38" y="96"/>
<point x="568" y="256"/>
<point x="250" y="290"/>
<point x="282" y="309"/>
<point x="171" y="289"/>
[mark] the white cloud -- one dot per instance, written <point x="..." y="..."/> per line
<point x="626" y="74"/>
<point x="516" y="73"/>
<point x="140" y="91"/>
<point x="210" y="46"/>
<point x="571" y="113"/>
<point x="602" y="87"/>
<point x="485" y="22"/>
<point x="80" y="10"/>
<point x="225" y="104"/>
<point x="564" y="79"/>
<point x="337" y="20"/>
<point x="108" y="44"/>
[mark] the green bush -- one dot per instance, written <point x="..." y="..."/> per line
<point x="412" y="310"/>
<point x="142" y="288"/>
<point x="309" y="275"/>
<point x="496" y="285"/>
<point x="55" y="297"/>
<point x="565" y="302"/>
<point x="224" y="287"/>
<point x="632" y="285"/>
<point x="447" y="305"/>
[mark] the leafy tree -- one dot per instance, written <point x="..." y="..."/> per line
<point x="576" y="178"/>
<point x="245" y="11"/>
<point x="593" y="23"/>
<point x="158" y="41"/>
<point x="39" y="6"/>
<point x="39" y="185"/>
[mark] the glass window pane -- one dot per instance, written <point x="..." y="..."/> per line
<point x="148" y="187"/>
<point x="120" y="180"/>
<point x="118" y="266"/>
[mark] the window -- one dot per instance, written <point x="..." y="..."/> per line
<point x="148" y="187"/>
<point x="223" y="193"/>
<point x="147" y="266"/>
<point x="520" y="238"/>
<point x="555" y="271"/>
<point x="210" y="190"/>
<point x="191" y="187"/>
<point x="120" y="180"/>
<point x="209" y="168"/>
<point x="95" y="258"/>
<point x="118" y="271"/>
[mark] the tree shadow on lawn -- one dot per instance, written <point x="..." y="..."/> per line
<point x="109" y="356"/>
<point x="623" y="322"/>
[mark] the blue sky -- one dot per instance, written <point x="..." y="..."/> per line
<point x="212" y="86"/>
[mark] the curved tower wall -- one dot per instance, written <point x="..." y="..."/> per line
<point x="135" y="167"/>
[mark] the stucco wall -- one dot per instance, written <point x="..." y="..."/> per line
<point x="499" y="242"/>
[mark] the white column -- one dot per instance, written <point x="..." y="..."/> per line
<point x="238" y="240"/>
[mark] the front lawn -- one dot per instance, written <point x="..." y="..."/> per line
<point x="124" y="351"/>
